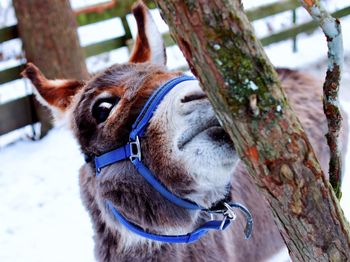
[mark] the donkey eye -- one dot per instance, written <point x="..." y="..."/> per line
<point x="102" y="109"/>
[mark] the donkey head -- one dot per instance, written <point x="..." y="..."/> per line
<point x="184" y="145"/>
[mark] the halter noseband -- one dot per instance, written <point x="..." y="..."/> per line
<point x="132" y="151"/>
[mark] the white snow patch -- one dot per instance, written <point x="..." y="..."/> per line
<point x="98" y="32"/>
<point x="41" y="214"/>
<point x="344" y="202"/>
<point x="76" y="4"/>
<point x="280" y="256"/>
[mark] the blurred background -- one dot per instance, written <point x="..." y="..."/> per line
<point x="41" y="216"/>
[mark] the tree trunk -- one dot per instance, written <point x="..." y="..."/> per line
<point x="242" y="85"/>
<point x="48" y="30"/>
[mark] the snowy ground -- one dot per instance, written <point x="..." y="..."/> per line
<point x="41" y="216"/>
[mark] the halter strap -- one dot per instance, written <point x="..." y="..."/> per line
<point x="192" y="236"/>
<point x="138" y="128"/>
<point x="132" y="151"/>
<point x="123" y="153"/>
<point x="111" y="157"/>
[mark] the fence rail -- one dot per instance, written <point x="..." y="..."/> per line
<point x="272" y="9"/>
<point x="22" y="108"/>
<point x="121" y="9"/>
<point x="10" y="74"/>
<point x="8" y="33"/>
<point x="302" y="28"/>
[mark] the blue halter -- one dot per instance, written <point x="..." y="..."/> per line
<point x="132" y="151"/>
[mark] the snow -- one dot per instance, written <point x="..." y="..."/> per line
<point x="94" y="33"/>
<point x="76" y="4"/>
<point x="346" y="180"/>
<point x="41" y="215"/>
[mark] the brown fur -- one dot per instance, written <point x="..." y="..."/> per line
<point x="120" y="183"/>
<point x="141" y="51"/>
<point x="59" y="95"/>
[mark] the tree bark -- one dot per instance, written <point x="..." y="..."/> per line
<point x="48" y="30"/>
<point x="242" y="85"/>
<point x="332" y="30"/>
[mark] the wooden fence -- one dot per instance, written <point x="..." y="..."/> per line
<point x="22" y="108"/>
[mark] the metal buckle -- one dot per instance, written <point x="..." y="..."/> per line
<point x="135" y="149"/>
<point x="228" y="214"/>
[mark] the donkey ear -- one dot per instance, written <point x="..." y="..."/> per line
<point x="149" y="45"/>
<point x="57" y="95"/>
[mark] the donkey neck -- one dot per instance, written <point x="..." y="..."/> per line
<point x="111" y="246"/>
<point x="148" y="209"/>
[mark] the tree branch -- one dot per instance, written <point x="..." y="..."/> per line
<point x="332" y="29"/>
<point x="243" y="87"/>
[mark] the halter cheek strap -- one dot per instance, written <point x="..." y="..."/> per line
<point x="132" y="151"/>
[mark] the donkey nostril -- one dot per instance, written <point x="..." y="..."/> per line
<point x="193" y="97"/>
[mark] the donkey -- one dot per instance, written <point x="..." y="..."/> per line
<point x="184" y="147"/>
